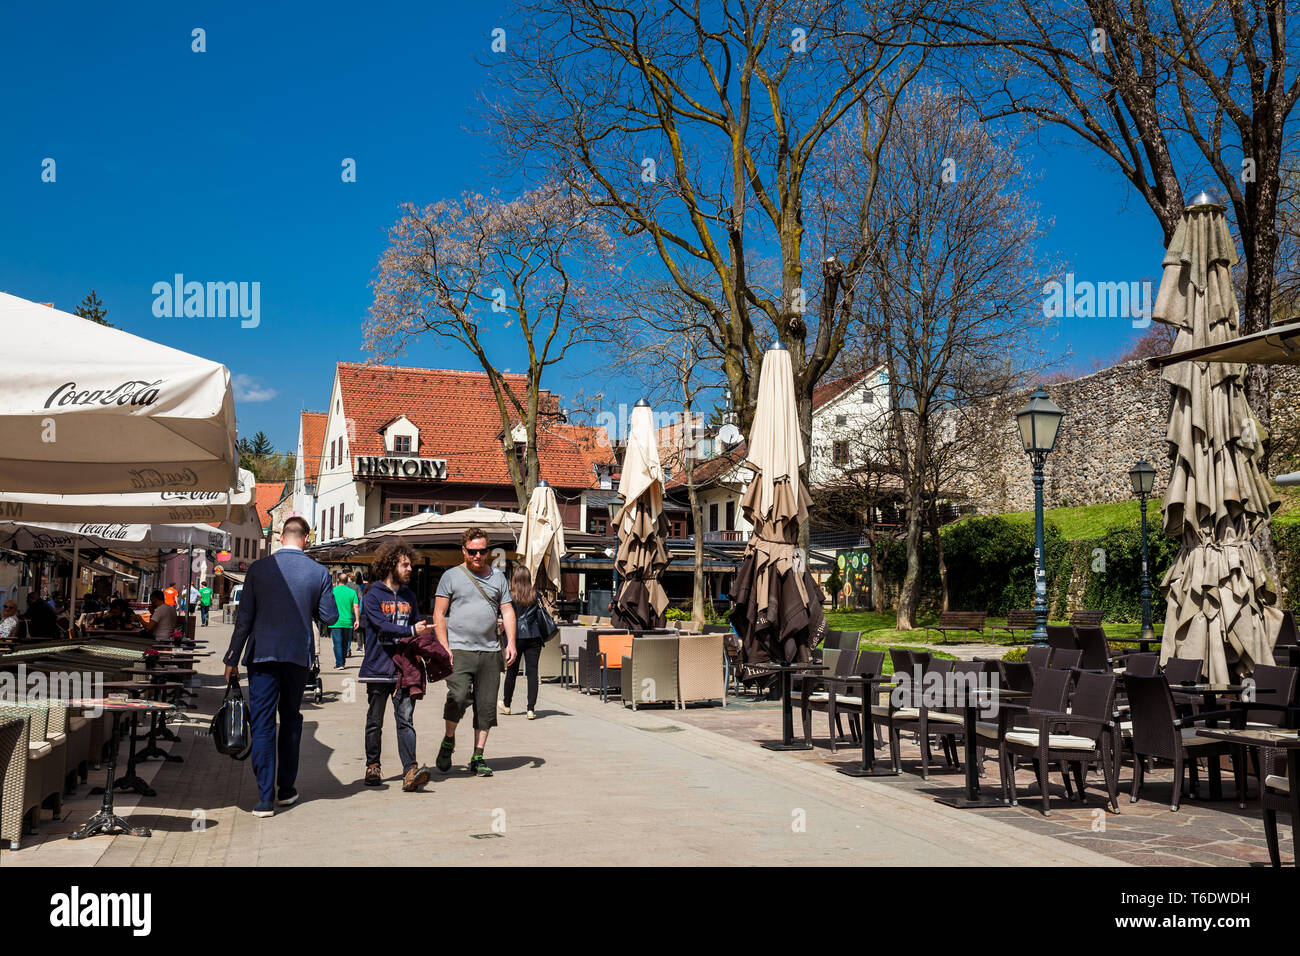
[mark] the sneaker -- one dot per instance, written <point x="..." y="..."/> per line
<point x="374" y="777"/>
<point x="264" y="808"/>
<point x="443" y="762"/>
<point x="415" y="778"/>
<point x="531" y="715"/>
<point x="478" y="767"/>
<point x="287" y="798"/>
<point x="504" y="708"/>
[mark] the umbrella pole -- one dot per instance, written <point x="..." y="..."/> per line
<point x="74" y="585"/>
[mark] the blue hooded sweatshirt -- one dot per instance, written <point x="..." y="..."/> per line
<point x="389" y="617"/>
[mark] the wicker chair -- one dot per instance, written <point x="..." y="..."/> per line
<point x="1087" y="735"/>
<point x="925" y="721"/>
<point x="1048" y="691"/>
<point x="1093" y="646"/>
<point x="1016" y="675"/>
<point x="1275" y="795"/>
<point x="40" y="783"/>
<point x="1273" y="706"/>
<point x="1064" y="659"/>
<point x="13" y="779"/>
<point x="649" y="673"/>
<point x="815" y="695"/>
<point x="1061" y="637"/>
<point x="1158" y="732"/>
<point x="701" y="669"/>
<point x="1039" y="655"/>
<point x="1141" y="665"/>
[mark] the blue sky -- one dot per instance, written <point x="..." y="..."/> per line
<point x="225" y="166"/>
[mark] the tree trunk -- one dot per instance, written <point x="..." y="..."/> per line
<point x="698" y="592"/>
<point x="943" y="567"/>
<point x="909" y="595"/>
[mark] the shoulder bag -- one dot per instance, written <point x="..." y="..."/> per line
<point x="231" y="727"/>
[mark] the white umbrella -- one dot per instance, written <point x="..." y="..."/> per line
<point x="542" y="545"/>
<point x="148" y="507"/>
<point x="88" y="409"/>
<point x="642" y="529"/>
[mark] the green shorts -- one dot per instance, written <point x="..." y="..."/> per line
<point x="475" y="677"/>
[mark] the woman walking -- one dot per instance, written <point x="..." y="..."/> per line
<point x="529" y="638"/>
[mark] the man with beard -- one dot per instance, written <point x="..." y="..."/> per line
<point x="390" y="612"/>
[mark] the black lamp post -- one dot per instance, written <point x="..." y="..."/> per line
<point x="1143" y="477"/>
<point x="1039" y="421"/>
<point x="615" y="506"/>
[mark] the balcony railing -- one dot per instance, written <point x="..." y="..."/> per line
<point x="726" y="536"/>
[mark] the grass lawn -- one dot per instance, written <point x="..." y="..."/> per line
<point x="878" y="632"/>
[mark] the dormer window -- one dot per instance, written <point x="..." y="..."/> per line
<point x="401" y="437"/>
<point x="402" y="444"/>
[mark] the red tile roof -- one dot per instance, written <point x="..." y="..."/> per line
<point x="313" y="441"/>
<point x="707" y="472"/>
<point x="268" y="495"/>
<point x="830" y="390"/>
<point x="458" y="420"/>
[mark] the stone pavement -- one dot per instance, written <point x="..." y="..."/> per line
<point x="585" y="784"/>
<point x="1203" y="832"/>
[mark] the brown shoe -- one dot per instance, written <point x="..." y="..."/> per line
<point x="415" y="778"/>
<point x="374" y="777"/>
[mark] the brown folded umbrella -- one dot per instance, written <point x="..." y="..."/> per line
<point x="1221" y="604"/>
<point x="642" y="529"/>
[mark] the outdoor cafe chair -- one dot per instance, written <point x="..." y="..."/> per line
<point x="1272" y="706"/>
<point x="1274" y="795"/>
<point x="1092" y="645"/>
<point x="925" y="721"/>
<point x="815" y="696"/>
<point x="1016" y="675"/>
<point x="1039" y="655"/>
<point x="1141" y="665"/>
<point x="1180" y="670"/>
<point x="1064" y="660"/>
<point x="1050" y="691"/>
<point x="1061" y="637"/>
<point x="1158" y="732"/>
<point x="1083" y="736"/>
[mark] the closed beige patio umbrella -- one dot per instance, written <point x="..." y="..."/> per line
<point x="778" y="605"/>
<point x="542" y="544"/>
<point x="642" y="529"/>
<point x="1221" y="603"/>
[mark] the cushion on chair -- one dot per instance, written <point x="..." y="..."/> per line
<point x="1029" y="738"/>
<point x="1277" y="782"/>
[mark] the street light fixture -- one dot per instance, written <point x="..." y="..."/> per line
<point x="615" y="506"/>
<point x="1143" y="477"/>
<point x="1039" y="422"/>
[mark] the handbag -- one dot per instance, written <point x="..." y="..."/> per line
<point x="231" y="729"/>
<point x="546" y="626"/>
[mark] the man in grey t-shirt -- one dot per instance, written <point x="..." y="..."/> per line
<point x="466" y="605"/>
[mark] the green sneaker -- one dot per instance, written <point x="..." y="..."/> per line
<point x="479" y="767"/>
<point x="443" y="763"/>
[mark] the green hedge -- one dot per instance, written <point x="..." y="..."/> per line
<point x="990" y="563"/>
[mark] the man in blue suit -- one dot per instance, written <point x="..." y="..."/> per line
<point x="283" y="594"/>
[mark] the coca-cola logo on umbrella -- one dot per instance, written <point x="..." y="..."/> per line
<point x="153" y="478"/>
<point x="134" y="392"/>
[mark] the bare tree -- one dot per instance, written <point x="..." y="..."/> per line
<point x="481" y="272"/>
<point x="955" y="287"/>
<point x="698" y="127"/>
<point x="1171" y="92"/>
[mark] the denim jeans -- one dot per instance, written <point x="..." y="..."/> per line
<point x="203" y="609"/>
<point x="377" y="696"/>
<point x="275" y="689"/>
<point x="341" y="636"/>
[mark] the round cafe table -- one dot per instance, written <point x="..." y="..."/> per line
<point x="787" y="672"/>
<point x="152" y="691"/>
<point x="106" y="820"/>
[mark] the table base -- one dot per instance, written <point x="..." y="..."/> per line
<point x="873" y="772"/>
<point x="152" y="751"/>
<point x="966" y="803"/>
<point x="791" y="746"/>
<point x="106" y="822"/>
<point x="135" y="783"/>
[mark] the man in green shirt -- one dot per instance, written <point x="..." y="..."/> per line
<point x="205" y="602"/>
<point x="341" y="630"/>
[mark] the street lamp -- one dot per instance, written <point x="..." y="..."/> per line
<point x="615" y="506"/>
<point x="1143" y="477"/>
<point x="1039" y="421"/>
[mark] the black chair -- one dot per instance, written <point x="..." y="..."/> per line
<point x="814" y="694"/>
<point x="1085" y="735"/>
<point x="1016" y="675"/>
<point x="1039" y="655"/>
<point x="1064" y="660"/>
<point x="1184" y="671"/>
<point x="1061" y="637"/>
<point x="1095" y="650"/>
<point x="1158" y="732"/>
<point x="1141" y="665"/>
<point x="1050" y="692"/>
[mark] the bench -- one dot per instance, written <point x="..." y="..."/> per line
<point x="972" y="621"/>
<point x="1087" y="618"/>
<point x="1020" y="619"/>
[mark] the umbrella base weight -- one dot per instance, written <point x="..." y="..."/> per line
<point x="781" y="746"/>
<point x="873" y="772"/>
<point x="978" y="803"/>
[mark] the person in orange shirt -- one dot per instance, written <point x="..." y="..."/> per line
<point x="169" y="596"/>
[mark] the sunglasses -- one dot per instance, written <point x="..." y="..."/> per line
<point x="476" y="551"/>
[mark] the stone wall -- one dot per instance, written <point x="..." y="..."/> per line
<point x="1112" y="418"/>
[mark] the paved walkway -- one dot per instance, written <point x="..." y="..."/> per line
<point x="585" y="784"/>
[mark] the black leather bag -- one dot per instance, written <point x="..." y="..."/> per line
<point x="546" y="626"/>
<point x="231" y="729"/>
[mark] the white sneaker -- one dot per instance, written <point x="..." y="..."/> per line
<point x="503" y="708"/>
<point x="531" y="715"/>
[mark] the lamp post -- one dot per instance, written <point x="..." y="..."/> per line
<point x="1039" y="421"/>
<point x="615" y="506"/>
<point x="1143" y="477"/>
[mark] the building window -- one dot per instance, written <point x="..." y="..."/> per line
<point x="402" y="444"/>
<point x="731" y="516"/>
<point x="331" y="524"/>
<point x="677" y="528"/>
<point x="597" y="524"/>
<point x="841" y="453"/>
<point x="868" y="396"/>
<point x="340" y="520"/>
<point x="400" y="509"/>
<point x="841" y="419"/>
<point x="713" y="516"/>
